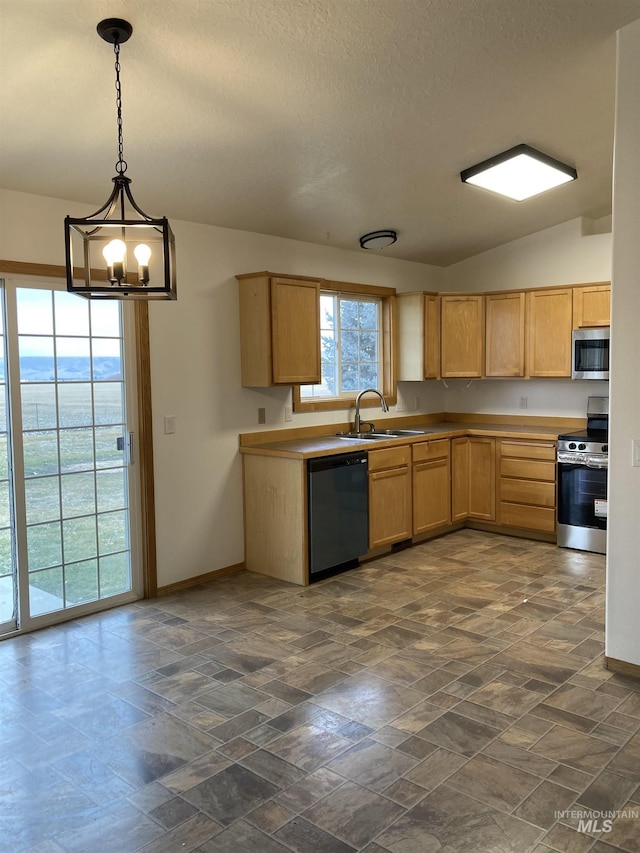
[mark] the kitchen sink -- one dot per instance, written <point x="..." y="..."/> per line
<point x="382" y="434"/>
<point x="400" y="432"/>
<point x="364" y="436"/>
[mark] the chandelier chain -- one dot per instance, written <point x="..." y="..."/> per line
<point x="121" y="165"/>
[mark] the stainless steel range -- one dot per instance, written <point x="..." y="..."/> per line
<point x="583" y="459"/>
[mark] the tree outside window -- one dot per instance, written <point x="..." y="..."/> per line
<point x="350" y="346"/>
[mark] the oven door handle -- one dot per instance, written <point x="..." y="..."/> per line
<point x="597" y="462"/>
<point x="569" y="457"/>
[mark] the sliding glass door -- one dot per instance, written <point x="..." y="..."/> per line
<point x="68" y="503"/>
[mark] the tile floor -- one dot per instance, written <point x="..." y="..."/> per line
<point x="449" y="697"/>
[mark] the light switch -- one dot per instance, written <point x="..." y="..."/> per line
<point x="169" y="424"/>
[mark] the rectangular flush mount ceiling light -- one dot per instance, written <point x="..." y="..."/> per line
<point x="519" y="173"/>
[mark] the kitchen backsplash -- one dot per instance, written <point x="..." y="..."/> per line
<point x="545" y="398"/>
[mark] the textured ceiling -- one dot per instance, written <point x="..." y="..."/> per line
<point x="317" y="120"/>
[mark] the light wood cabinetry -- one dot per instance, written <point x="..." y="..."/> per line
<point x="504" y="334"/>
<point x="550" y="324"/>
<point x="592" y="306"/>
<point x="275" y="517"/>
<point x="414" y="488"/>
<point x="431" y="485"/>
<point x="462" y="335"/>
<point x="419" y="339"/>
<point x="527" y="484"/>
<point x="390" y="517"/>
<point x="459" y="479"/>
<point x="279" y="330"/>
<point x="473" y="478"/>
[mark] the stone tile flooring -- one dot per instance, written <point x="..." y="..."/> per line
<point x="448" y="697"/>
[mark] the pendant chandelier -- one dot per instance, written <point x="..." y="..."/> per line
<point x="125" y="253"/>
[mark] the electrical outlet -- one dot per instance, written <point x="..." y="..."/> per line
<point x="288" y="413"/>
<point x="416" y="403"/>
<point x="262" y="416"/>
<point x="635" y="449"/>
<point x="401" y="406"/>
<point x="523" y="402"/>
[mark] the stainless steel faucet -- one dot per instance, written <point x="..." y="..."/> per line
<point x="357" y="424"/>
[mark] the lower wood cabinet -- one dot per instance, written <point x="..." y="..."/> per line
<point x="413" y="489"/>
<point x="473" y="478"/>
<point x="431" y="485"/>
<point x="390" y="518"/>
<point x="527" y="484"/>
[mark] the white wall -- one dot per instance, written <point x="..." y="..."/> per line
<point x="544" y="397"/>
<point x="195" y="367"/>
<point x="623" y="541"/>
<point x="570" y="253"/>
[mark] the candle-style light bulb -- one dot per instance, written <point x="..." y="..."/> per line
<point x="114" y="254"/>
<point x="142" y="253"/>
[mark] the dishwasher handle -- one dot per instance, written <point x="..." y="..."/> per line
<point x="326" y="463"/>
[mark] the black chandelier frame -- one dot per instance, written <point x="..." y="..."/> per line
<point x="95" y="230"/>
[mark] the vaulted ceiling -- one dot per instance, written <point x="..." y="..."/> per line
<point x="317" y="120"/>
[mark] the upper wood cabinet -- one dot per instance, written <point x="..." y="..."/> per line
<point x="592" y="306"/>
<point x="504" y="338"/>
<point x="550" y="324"/>
<point x="279" y="330"/>
<point x="462" y="335"/>
<point x="419" y="336"/>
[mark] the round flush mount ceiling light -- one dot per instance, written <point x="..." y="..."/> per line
<point x="378" y="239"/>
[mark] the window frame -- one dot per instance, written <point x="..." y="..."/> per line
<point x="388" y="355"/>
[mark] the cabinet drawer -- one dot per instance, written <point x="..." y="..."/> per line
<point x="528" y="469"/>
<point x="529" y="492"/>
<point x="528" y="517"/>
<point x="528" y="450"/>
<point x="424" y="451"/>
<point x="389" y="457"/>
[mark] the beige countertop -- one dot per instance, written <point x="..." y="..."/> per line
<point x="328" y="445"/>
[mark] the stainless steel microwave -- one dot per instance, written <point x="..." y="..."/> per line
<point x="590" y="354"/>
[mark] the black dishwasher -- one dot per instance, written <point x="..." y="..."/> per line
<point x="338" y="513"/>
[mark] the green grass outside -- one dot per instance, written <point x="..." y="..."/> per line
<point x="63" y="492"/>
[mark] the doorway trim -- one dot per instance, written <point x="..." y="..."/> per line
<point x="145" y="422"/>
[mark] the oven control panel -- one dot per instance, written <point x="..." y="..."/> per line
<point x="591" y="454"/>
<point x="583" y="446"/>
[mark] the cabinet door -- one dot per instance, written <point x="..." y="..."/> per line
<point x="295" y="331"/>
<point x="459" y="479"/>
<point x="431" y="336"/>
<point x="462" y="331"/>
<point x="482" y="478"/>
<point x="505" y="334"/>
<point x="418" y="336"/>
<point x="592" y="306"/>
<point x="389" y="506"/>
<point x="550" y="325"/>
<point x="431" y="495"/>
